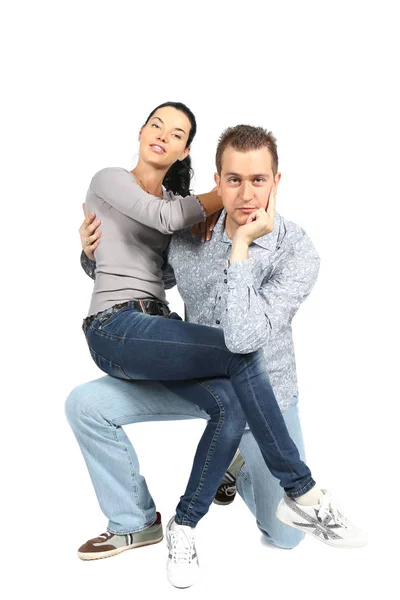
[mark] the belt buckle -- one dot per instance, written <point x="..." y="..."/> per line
<point x="142" y="306"/>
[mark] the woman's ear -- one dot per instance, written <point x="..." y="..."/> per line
<point x="184" y="154"/>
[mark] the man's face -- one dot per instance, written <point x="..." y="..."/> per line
<point x="245" y="182"/>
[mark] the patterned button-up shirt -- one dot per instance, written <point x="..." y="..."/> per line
<point x="253" y="300"/>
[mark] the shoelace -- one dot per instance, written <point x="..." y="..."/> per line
<point x="182" y="547"/>
<point x="328" y="506"/>
<point x="229" y="490"/>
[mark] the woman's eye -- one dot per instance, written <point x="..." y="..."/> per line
<point x="155" y="125"/>
<point x="178" y="136"/>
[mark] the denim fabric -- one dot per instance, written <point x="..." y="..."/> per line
<point x="129" y="344"/>
<point x="97" y="412"/>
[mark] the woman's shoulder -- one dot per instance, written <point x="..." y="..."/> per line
<point x="109" y="179"/>
<point x="110" y="173"/>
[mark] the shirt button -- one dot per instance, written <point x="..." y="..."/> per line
<point x="219" y="297"/>
<point x="225" y="281"/>
<point x="225" y="271"/>
<point x="217" y="322"/>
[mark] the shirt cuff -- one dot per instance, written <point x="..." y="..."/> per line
<point x="241" y="272"/>
<point x="203" y="216"/>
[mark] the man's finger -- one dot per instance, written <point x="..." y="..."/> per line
<point x="271" y="208"/>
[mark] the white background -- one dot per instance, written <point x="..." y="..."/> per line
<point x="79" y="78"/>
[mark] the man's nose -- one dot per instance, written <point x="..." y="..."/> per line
<point x="247" y="191"/>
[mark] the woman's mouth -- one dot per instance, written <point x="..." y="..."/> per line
<point x="157" y="148"/>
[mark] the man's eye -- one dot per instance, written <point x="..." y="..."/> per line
<point x="260" y="179"/>
<point x="233" y="180"/>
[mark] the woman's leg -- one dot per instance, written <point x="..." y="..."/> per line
<point x="148" y="347"/>
<point x="217" y="446"/>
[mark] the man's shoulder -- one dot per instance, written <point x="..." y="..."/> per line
<point x="293" y="238"/>
<point x="290" y="232"/>
<point x="184" y="237"/>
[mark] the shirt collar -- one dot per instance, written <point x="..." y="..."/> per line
<point x="267" y="241"/>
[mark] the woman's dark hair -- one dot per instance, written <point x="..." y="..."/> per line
<point x="177" y="178"/>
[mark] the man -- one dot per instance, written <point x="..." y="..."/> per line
<point x="242" y="280"/>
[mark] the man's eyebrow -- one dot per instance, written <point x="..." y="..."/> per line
<point x="253" y="176"/>
<point x="176" y="128"/>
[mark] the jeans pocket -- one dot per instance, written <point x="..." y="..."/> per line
<point x="107" y="366"/>
<point x="106" y="316"/>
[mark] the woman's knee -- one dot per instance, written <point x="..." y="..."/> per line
<point x="230" y="417"/>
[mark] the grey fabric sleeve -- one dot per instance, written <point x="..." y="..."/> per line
<point x="119" y="189"/>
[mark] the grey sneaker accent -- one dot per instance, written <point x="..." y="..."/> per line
<point x="317" y="526"/>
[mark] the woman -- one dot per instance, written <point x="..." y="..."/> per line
<point x="137" y="217"/>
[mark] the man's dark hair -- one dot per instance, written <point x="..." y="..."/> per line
<point x="245" y="138"/>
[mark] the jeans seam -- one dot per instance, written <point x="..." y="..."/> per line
<point x="131" y="470"/>
<point x="211" y="448"/>
<point x="266" y="422"/>
<point x="150" y="341"/>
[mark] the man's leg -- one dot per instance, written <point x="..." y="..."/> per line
<point x="261" y="490"/>
<point x="96" y="412"/>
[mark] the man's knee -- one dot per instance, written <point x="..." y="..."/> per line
<point x="76" y="405"/>
<point x="282" y="536"/>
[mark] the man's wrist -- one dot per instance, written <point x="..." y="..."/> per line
<point x="240" y="250"/>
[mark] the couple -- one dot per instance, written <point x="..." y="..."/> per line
<point x="246" y="283"/>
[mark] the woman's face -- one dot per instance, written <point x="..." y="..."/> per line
<point x="163" y="139"/>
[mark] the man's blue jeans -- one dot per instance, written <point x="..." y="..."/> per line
<point x="97" y="411"/>
<point x="127" y="343"/>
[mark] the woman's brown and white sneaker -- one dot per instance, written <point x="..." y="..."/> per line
<point x="107" y="544"/>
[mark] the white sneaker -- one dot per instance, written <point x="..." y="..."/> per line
<point x="324" y="521"/>
<point x="182" y="563"/>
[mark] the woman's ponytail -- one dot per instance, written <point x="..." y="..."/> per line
<point x="179" y="176"/>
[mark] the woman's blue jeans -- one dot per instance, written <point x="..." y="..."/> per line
<point x="129" y="344"/>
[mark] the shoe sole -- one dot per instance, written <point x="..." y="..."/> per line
<point x="108" y="553"/>
<point x="320" y="539"/>
<point x="222" y="503"/>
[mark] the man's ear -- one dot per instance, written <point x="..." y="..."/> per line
<point x="217" y="180"/>
<point x="277" y="179"/>
<point x="184" y="154"/>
